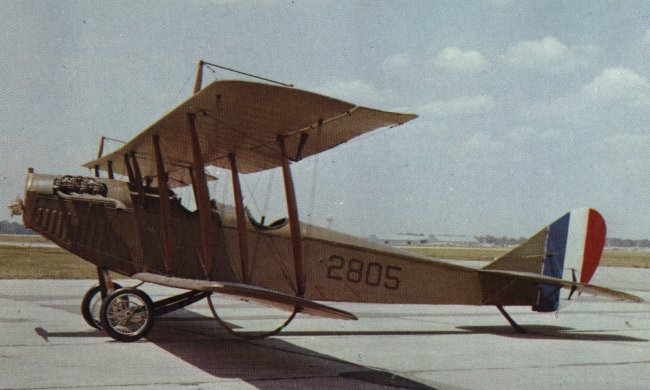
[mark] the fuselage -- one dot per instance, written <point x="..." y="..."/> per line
<point x="107" y="224"/>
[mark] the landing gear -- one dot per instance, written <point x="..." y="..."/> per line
<point x="127" y="314"/>
<point x="512" y="322"/>
<point x="91" y="305"/>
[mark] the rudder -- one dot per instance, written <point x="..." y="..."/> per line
<point x="574" y="242"/>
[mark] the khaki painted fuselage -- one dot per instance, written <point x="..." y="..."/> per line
<point x="122" y="232"/>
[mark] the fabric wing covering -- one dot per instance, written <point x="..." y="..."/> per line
<point x="245" y="119"/>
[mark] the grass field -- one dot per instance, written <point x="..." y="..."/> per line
<point x="42" y="263"/>
<point x="55" y="263"/>
<point x="611" y="257"/>
<point x="22" y="238"/>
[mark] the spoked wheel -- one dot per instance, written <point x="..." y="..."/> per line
<point x="127" y="314"/>
<point x="91" y="305"/>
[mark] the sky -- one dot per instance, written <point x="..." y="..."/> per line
<point x="526" y="109"/>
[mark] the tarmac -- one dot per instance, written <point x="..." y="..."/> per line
<point x="591" y="343"/>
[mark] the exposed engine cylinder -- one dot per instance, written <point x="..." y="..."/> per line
<point x="80" y="185"/>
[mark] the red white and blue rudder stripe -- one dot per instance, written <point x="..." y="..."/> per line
<point x="574" y="244"/>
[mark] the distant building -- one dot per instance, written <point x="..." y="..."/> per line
<point x="420" y="239"/>
<point x="404" y="239"/>
<point x="456" y="240"/>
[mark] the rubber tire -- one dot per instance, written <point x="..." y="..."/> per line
<point x="86" y="312"/>
<point x="117" y="335"/>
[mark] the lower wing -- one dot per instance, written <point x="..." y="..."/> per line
<point x="248" y="292"/>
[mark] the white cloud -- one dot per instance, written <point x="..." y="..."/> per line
<point x="396" y="62"/>
<point x="611" y="103"/>
<point x="467" y="105"/>
<point x="548" y="55"/>
<point x="454" y="58"/>
<point x="646" y="37"/>
<point x="619" y="84"/>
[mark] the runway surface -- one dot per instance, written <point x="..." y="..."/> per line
<point x="592" y="343"/>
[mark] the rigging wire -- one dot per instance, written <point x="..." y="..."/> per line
<point x="251" y="192"/>
<point x="183" y="87"/>
<point x="210" y="65"/>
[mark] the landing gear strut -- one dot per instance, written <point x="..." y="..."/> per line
<point x="91" y="305"/>
<point x="128" y="314"/>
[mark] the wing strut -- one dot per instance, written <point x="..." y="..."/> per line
<point x="165" y="208"/>
<point x="241" y="220"/>
<point x="201" y="194"/>
<point x="294" y="222"/>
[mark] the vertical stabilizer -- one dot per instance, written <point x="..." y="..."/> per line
<point x="569" y="248"/>
<point x="573" y="249"/>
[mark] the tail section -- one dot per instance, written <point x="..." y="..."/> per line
<point x="569" y="248"/>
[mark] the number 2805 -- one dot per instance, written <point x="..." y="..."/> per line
<point x="358" y="271"/>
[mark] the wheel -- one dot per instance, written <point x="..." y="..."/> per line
<point x="91" y="304"/>
<point x="127" y="314"/>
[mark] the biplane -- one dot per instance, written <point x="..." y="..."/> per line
<point x="127" y="219"/>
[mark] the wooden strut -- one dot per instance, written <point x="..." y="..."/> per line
<point x="202" y="195"/>
<point x="294" y="221"/>
<point x="199" y="77"/>
<point x="111" y="175"/>
<point x="138" y="180"/>
<point x="100" y="152"/>
<point x="106" y="286"/>
<point x="165" y="208"/>
<point x="129" y="169"/>
<point x="241" y="218"/>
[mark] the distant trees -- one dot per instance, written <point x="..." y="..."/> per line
<point x="610" y="242"/>
<point x="7" y="227"/>
<point x="625" y="243"/>
<point x="499" y="241"/>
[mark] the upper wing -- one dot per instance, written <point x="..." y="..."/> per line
<point x="246" y="118"/>
<point x="245" y="291"/>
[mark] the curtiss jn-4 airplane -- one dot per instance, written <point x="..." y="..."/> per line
<point x="139" y="228"/>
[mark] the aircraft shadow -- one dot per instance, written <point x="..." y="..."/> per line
<point x="549" y="332"/>
<point x="262" y="363"/>
<point x="199" y="341"/>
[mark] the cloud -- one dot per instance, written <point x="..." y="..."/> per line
<point x="611" y="103"/>
<point x="396" y="62"/>
<point x="467" y="105"/>
<point x="646" y="37"/>
<point x="619" y="84"/>
<point x="548" y="55"/>
<point x="455" y="59"/>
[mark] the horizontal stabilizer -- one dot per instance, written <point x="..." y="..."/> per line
<point x="580" y="287"/>
<point x="244" y="291"/>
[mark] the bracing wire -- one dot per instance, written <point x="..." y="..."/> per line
<point x="210" y="65"/>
